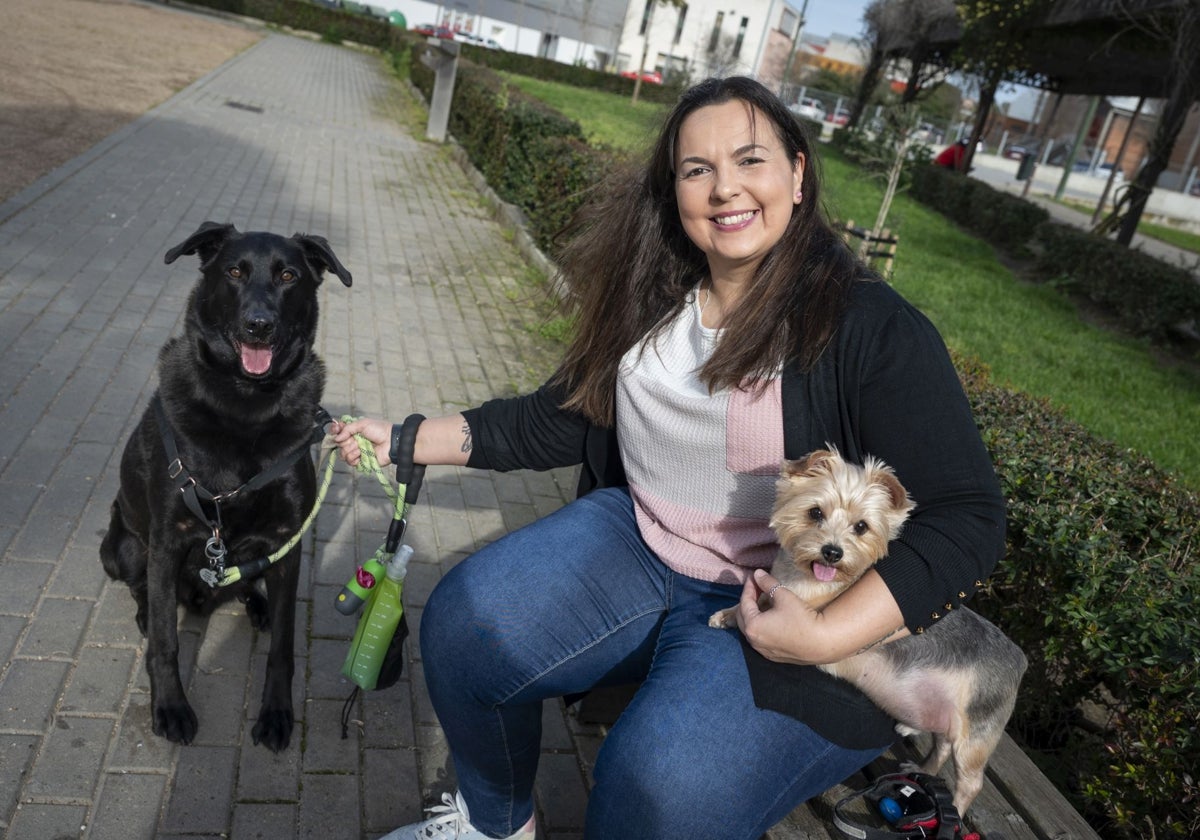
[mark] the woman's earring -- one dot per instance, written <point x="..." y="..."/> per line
<point x="799" y="196"/>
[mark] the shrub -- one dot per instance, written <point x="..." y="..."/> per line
<point x="331" y="24"/>
<point x="1099" y="588"/>
<point x="532" y="156"/>
<point x="999" y="218"/>
<point x="1147" y="296"/>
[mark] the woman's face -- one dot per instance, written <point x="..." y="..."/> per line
<point x="735" y="185"/>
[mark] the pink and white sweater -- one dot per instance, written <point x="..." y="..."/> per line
<point x="701" y="467"/>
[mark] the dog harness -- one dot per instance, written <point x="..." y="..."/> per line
<point x="194" y="494"/>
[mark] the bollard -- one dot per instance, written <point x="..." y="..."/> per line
<point x="442" y="59"/>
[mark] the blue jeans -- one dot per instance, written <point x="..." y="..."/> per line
<point x="577" y="600"/>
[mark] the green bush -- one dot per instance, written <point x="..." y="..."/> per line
<point x="1100" y="589"/>
<point x="1147" y="296"/>
<point x="331" y="24"/>
<point x="531" y="155"/>
<point x="999" y="218"/>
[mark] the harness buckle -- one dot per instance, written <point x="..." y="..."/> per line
<point x="175" y="468"/>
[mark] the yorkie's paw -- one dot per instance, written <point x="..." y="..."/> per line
<point x="723" y="618"/>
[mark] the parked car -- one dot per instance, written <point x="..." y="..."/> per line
<point x="839" y="117"/>
<point x="810" y="109"/>
<point x="651" y="76"/>
<point x="443" y="32"/>
<point x="1016" y="151"/>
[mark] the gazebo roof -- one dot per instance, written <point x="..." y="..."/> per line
<point x="1097" y="47"/>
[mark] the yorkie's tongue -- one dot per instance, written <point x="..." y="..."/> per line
<point x="824" y="573"/>
<point x="256" y="358"/>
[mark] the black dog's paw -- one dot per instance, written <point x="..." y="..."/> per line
<point x="175" y="721"/>
<point x="273" y="729"/>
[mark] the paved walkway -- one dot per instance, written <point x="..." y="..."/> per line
<point x="293" y="135"/>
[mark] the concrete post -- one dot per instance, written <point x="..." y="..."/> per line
<point x="442" y="59"/>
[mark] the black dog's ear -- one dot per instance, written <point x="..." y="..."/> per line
<point x="205" y="241"/>
<point x="317" y="249"/>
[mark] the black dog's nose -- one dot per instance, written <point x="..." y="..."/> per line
<point x="259" y="327"/>
<point x="831" y="554"/>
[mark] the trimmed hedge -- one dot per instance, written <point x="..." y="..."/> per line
<point x="1004" y="220"/>
<point x="1101" y="589"/>
<point x="531" y="155"/>
<point x="331" y="24"/>
<point x="1143" y="294"/>
<point x="1147" y="296"/>
<point x="568" y="74"/>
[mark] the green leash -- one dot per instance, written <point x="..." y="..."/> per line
<point x="368" y="463"/>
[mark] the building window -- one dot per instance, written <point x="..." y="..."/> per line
<point x="788" y="21"/>
<point x="679" y="23"/>
<point x="716" y="33"/>
<point x="649" y="10"/>
<point x="741" y="36"/>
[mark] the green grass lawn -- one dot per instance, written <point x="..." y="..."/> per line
<point x="606" y="119"/>
<point x="1030" y="336"/>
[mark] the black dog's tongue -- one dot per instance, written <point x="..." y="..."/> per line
<point x="256" y="358"/>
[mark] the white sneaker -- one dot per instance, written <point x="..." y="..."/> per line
<point x="449" y="821"/>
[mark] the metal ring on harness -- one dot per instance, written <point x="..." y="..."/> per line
<point x="915" y="805"/>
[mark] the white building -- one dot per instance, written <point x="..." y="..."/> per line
<point x="706" y="38"/>
<point x="699" y="38"/>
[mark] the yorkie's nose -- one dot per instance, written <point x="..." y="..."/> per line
<point x="831" y="554"/>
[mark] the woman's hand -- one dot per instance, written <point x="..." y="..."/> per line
<point x="378" y="432"/>
<point x="790" y="631"/>
<point x="784" y="633"/>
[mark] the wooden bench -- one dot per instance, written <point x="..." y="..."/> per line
<point x="879" y="252"/>
<point x="1017" y="802"/>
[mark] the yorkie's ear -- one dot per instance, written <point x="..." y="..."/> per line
<point x="819" y="460"/>
<point x="899" y="496"/>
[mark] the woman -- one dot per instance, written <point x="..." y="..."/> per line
<point x="721" y="326"/>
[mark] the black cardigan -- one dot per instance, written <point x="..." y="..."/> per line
<point x="885" y="387"/>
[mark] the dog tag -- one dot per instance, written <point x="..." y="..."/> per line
<point x="210" y="577"/>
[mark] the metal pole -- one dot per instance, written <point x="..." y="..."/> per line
<point x="1079" y="135"/>
<point x="1117" y="163"/>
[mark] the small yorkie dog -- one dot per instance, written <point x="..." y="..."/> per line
<point x="957" y="680"/>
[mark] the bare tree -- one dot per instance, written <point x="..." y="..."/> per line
<point x="909" y="29"/>
<point x="925" y="24"/>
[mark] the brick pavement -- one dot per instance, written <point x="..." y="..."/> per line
<point x="293" y="135"/>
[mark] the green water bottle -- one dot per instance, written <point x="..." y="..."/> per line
<point x="378" y="623"/>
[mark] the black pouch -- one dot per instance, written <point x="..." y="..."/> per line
<point x="393" y="660"/>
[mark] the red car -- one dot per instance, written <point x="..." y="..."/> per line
<point x="653" y="77"/>
<point x="443" y="32"/>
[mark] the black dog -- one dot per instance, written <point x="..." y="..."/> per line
<point x="218" y="471"/>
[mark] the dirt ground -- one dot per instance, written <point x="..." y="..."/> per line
<point x="74" y="71"/>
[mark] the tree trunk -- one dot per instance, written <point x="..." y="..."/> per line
<point x="987" y="96"/>
<point x="1182" y="92"/>
<point x="866" y="86"/>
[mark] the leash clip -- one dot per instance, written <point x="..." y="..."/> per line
<point x="215" y="551"/>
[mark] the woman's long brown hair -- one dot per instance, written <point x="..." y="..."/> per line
<point x="626" y="266"/>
